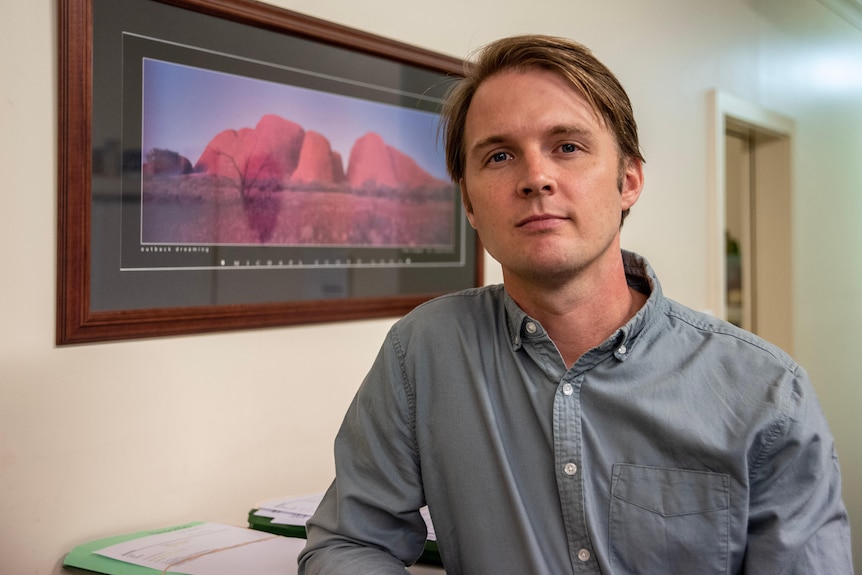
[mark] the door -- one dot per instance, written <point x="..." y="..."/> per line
<point x="753" y="215"/>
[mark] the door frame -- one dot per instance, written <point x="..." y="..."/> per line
<point x="726" y="108"/>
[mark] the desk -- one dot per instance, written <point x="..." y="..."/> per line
<point x="426" y="570"/>
<point x="274" y="555"/>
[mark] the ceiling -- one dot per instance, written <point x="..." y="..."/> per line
<point x="850" y="10"/>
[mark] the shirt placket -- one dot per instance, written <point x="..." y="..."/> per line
<point x="568" y="446"/>
<point x="569" y="472"/>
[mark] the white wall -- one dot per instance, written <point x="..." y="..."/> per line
<point x="102" y="439"/>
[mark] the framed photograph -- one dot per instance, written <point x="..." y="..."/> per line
<point x="225" y="164"/>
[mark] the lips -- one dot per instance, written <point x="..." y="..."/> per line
<point x="539" y="220"/>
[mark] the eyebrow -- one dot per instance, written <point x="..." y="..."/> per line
<point x="555" y="130"/>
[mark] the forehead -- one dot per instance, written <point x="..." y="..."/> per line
<point x="518" y="100"/>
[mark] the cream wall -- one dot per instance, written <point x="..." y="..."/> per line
<point x="107" y="438"/>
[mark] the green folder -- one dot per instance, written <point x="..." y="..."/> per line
<point x="84" y="556"/>
<point x="430" y="556"/>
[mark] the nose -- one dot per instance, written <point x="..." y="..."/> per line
<point x="536" y="175"/>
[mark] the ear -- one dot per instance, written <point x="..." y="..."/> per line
<point x="632" y="182"/>
<point x="465" y="200"/>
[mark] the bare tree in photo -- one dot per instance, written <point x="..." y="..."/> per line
<point x="257" y="182"/>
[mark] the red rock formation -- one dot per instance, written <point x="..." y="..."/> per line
<point x="268" y="152"/>
<point x="408" y="172"/>
<point x="278" y="145"/>
<point x="370" y="164"/>
<point x="317" y="162"/>
<point x="375" y="164"/>
<point x="279" y="151"/>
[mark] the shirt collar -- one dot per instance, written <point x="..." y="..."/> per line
<point x="517" y="320"/>
<point x="639" y="275"/>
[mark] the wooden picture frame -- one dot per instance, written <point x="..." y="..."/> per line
<point x="154" y="243"/>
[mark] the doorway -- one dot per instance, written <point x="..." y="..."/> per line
<point x="751" y="212"/>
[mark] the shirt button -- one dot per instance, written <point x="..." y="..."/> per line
<point x="531" y="327"/>
<point x="568" y="389"/>
<point x="622" y="349"/>
<point x="584" y="555"/>
<point x="570" y="468"/>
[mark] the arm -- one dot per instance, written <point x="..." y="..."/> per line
<point x="798" y="523"/>
<point x="369" y="520"/>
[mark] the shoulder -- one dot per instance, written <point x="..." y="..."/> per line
<point x="717" y="335"/>
<point x="466" y="305"/>
<point x="756" y="380"/>
<point x="454" y="317"/>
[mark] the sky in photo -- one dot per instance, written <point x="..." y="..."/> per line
<point x="184" y="107"/>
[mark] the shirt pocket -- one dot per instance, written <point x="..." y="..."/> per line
<point x="668" y="521"/>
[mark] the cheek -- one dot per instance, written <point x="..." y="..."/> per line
<point x="486" y="208"/>
<point x="465" y="201"/>
<point x="485" y="218"/>
<point x="472" y="195"/>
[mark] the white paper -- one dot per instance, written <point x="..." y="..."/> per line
<point x="211" y="549"/>
<point x="290" y="510"/>
<point x="426" y="515"/>
<point x="270" y="557"/>
<point x="298" y="510"/>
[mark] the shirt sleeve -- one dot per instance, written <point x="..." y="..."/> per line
<point x="369" y="520"/>
<point x="797" y="520"/>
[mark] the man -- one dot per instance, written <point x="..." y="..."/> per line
<point x="573" y="420"/>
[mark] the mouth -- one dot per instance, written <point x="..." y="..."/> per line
<point x="539" y="221"/>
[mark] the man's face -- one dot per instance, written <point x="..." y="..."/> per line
<point x="543" y="182"/>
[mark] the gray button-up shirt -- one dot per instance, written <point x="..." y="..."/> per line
<point x="680" y="445"/>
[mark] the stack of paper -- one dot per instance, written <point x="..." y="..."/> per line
<point x="287" y="516"/>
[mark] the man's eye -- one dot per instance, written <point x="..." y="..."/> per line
<point x="569" y="148"/>
<point x="498" y="157"/>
